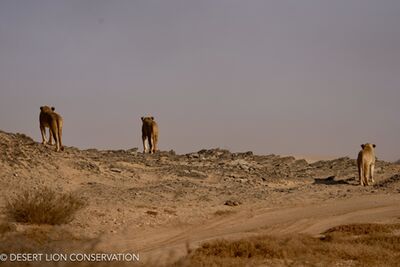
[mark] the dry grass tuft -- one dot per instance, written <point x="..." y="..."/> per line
<point x="43" y="206"/>
<point x="45" y="239"/>
<point x="363" y="229"/>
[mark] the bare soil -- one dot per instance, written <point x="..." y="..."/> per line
<point x="163" y="205"/>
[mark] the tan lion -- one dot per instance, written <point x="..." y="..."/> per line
<point x="48" y="118"/>
<point x="366" y="164"/>
<point x="149" y="132"/>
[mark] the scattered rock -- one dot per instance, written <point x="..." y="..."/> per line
<point x="247" y="154"/>
<point x="385" y="183"/>
<point x="85" y="165"/>
<point x="198" y="174"/>
<point x="91" y="150"/>
<point x="133" y="150"/>
<point x="115" y="170"/>
<point x="193" y="155"/>
<point x="151" y="212"/>
<point x="192" y="174"/>
<point x="232" y="203"/>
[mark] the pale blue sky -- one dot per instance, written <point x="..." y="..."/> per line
<point x="287" y="77"/>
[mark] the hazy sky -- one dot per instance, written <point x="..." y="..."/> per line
<point x="300" y="77"/>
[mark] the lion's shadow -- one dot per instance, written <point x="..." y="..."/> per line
<point x="331" y="181"/>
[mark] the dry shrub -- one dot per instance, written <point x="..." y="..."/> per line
<point x="347" y="245"/>
<point x="363" y="228"/>
<point x="43" y="206"/>
<point x="44" y="239"/>
<point x="48" y="239"/>
<point x="37" y="239"/>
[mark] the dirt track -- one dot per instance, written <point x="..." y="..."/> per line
<point x="309" y="219"/>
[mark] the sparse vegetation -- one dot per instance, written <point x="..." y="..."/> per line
<point x="45" y="239"/>
<point x="43" y="206"/>
<point x="363" y="229"/>
<point x="347" y="245"/>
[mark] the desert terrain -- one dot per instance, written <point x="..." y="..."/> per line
<point x="165" y="205"/>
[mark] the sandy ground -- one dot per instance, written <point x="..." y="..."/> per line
<point x="311" y="219"/>
<point x="159" y="205"/>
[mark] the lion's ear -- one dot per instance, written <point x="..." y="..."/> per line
<point x="362" y="146"/>
<point x="53" y="108"/>
<point x="373" y="145"/>
<point x="41" y="108"/>
<point x="142" y="118"/>
<point x="152" y="118"/>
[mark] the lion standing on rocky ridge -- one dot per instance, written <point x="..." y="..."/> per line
<point x="52" y="120"/>
<point x="149" y="132"/>
<point x="366" y="163"/>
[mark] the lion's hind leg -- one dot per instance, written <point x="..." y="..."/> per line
<point x="50" y="137"/>
<point x="144" y="144"/>
<point x="155" y="140"/>
<point x="54" y="132"/>
<point x="371" y="173"/>
<point x="151" y="144"/>
<point x="365" y="173"/>
<point x="43" y="132"/>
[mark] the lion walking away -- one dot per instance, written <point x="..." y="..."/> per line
<point x="366" y="164"/>
<point x="149" y="132"/>
<point x="50" y="119"/>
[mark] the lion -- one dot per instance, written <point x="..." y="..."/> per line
<point x="52" y="120"/>
<point x="366" y="164"/>
<point x="149" y="132"/>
